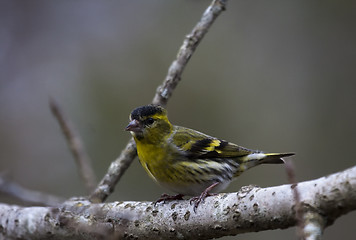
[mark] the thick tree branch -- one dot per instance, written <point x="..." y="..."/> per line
<point x="163" y="93"/>
<point x="249" y="210"/>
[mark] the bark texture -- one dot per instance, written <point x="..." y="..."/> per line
<point x="250" y="209"/>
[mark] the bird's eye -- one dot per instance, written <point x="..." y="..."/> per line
<point x="149" y="121"/>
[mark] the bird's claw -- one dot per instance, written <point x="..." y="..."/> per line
<point x="199" y="199"/>
<point x="206" y="193"/>
<point x="165" y="197"/>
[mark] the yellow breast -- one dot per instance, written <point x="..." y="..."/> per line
<point x="154" y="160"/>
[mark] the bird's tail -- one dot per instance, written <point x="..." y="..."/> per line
<point x="254" y="159"/>
<point x="274" y="158"/>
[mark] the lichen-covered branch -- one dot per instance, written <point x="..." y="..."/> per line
<point x="163" y="93"/>
<point x="249" y="210"/>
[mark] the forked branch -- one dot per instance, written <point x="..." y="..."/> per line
<point x="164" y="91"/>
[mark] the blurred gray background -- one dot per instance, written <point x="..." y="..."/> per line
<point x="269" y="75"/>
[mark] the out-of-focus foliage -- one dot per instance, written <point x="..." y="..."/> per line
<point x="270" y="75"/>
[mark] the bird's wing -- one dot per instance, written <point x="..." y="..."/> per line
<point x="201" y="146"/>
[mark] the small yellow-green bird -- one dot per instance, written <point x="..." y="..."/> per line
<point x="186" y="161"/>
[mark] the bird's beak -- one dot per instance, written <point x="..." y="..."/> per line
<point x="134" y="126"/>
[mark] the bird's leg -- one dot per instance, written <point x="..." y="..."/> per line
<point x="203" y="195"/>
<point x="165" y="197"/>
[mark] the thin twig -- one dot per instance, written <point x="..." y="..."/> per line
<point x="76" y="146"/>
<point x="298" y="207"/>
<point x="28" y="196"/>
<point x="310" y="223"/>
<point x="163" y="93"/>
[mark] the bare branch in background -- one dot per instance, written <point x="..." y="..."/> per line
<point x="310" y="222"/>
<point x="251" y="209"/>
<point x="76" y="146"/>
<point x="185" y="52"/>
<point x="12" y="189"/>
<point x="164" y="92"/>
